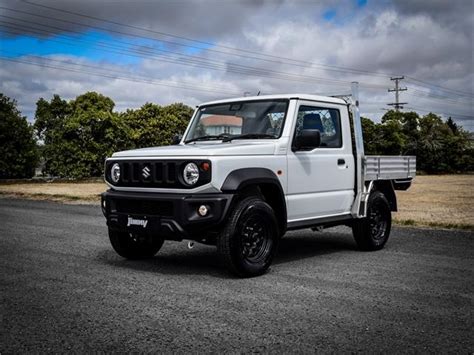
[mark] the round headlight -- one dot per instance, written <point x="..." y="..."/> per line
<point x="191" y="174"/>
<point x="115" y="173"/>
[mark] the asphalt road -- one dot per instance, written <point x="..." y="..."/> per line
<point x="63" y="288"/>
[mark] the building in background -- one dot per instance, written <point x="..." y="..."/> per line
<point x="218" y="124"/>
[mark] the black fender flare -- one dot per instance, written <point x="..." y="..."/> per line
<point x="387" y="188"/>
<point x="241" y="178"/>
<point x="269" y="185"/>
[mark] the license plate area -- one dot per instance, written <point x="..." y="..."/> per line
<point x="139" y="223"/>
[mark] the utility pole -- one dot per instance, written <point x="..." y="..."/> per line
<point x="397" y="104"/>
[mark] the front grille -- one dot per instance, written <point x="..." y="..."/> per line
<point x="157" y="174"/>
<point x="130" y="206"/>
<point x="162" y="173"/>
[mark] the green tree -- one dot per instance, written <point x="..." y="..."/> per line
<point x="50" y="120"/>
<point x="392" y="140"/>
<point x="410" y="129"/>
<point x="93" y="132"/>
<point x="392" y="115"/>
<point x="18" y="152"/>
<point x="431" y="155"/>
<point x="458" y="149"/>
<point x="439" y="146"/>
<point x="154" y="125"/>
<point x="387" y="137"/>
<point x="79" y="135"/>
<point x="452" y="125"/>
<point x="370" y="134"/>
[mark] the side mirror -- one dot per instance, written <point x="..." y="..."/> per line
<point x="308" y="139"/>
<point x="176" y="139"/>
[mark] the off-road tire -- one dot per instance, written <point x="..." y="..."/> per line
<point x="249" y="240"/>
<point x="371" y="233"/>
<point x="135" y="245"/>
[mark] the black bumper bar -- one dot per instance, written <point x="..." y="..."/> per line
<point x="172" y="216"/>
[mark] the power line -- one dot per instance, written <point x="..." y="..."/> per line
<point x="109" y="76"/>
<point x="200" y="61"/>
<point x="341" y="69"/>
<point x="458" y="92"/>
<point x="141" y="51"/>
<point x="280" y="58"/>
<point x="101" y="68"/>
<point x="188" y="59"/>
<point x="432" y="96"/>
<point x="461" y="117"/>
<point x="441" y="101"/>
<point x="294" y="62"/>
<point x="232" y="67"/>
<point x="202" y="87"/>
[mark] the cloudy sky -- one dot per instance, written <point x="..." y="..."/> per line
<point x="191" y="51"/>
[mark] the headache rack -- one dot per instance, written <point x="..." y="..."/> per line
<point x="400" y="170"/>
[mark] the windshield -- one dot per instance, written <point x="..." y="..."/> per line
<point x="239" y="120"/>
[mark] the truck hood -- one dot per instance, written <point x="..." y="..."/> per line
<point x="237" y="147"/>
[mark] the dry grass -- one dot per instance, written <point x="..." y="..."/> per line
<point x="81" y="192"/>
<point x="436" y="201"/>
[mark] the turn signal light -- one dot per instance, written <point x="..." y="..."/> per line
<point x="205" y="166"/>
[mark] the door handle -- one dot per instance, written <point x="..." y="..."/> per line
<point x="341" y="162"/>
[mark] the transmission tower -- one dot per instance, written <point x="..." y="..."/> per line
<point x="397" y="104"/>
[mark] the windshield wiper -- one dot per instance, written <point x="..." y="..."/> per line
<point x="248" y="136"/>
<point x="208" y="138"/>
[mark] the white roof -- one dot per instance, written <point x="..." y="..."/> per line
<point x="309" y="97"/>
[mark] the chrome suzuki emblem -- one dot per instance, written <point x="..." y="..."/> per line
<point x="146" y="172"/>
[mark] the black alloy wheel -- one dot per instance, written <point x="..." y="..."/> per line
<point x="255" y="240"/>
<point x="250" y="238"/>
<point x="372" y="232"/>
<point x="378" y="219"/>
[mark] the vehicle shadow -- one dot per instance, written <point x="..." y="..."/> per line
<point x="306" y="244"/>
<point x="173" y="260"/>
<point x="177" y="259"/>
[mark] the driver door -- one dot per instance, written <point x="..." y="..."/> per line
<point x="321" y="180"/>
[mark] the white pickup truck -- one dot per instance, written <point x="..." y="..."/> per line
<point x="246" y="171"/>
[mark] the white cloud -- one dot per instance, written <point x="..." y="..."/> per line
<point x="377" y="38"/>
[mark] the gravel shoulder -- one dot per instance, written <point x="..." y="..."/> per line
<point x="64" y="289"/>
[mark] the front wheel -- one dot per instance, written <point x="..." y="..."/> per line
<point x="372" y="232"/>
<point x="132" y="245"/>
<point x="250" y="238"/>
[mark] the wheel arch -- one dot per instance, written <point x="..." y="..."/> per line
<point x="263" y="182"/>
<point x="386" y="187"/>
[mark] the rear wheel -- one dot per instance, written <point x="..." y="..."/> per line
<point x="250" y="238"/>
<point x="372" y="232"/>
<point x="132" y="245"/>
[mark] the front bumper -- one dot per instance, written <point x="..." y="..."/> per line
<point x="172" y="216"/>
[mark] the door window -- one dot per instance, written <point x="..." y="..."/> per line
<point x="326" y="120"/>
